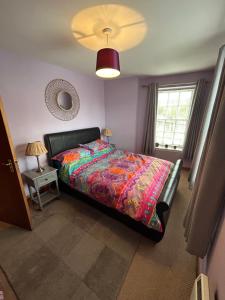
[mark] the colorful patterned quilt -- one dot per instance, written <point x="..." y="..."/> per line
<point x="130" y="183"/>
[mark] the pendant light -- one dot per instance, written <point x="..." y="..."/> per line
<point x="108" y="64"/>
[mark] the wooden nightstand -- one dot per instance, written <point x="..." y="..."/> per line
<point x="38" y="180"/>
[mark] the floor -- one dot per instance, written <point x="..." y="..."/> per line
<point x="5" y="286"/>
<point x="76" y="252"/>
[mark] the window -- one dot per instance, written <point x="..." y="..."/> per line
<point x="173" y="112"/>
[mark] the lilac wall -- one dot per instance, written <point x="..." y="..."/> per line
<point x="121" y="106"/>
<point x="214" y="264"/>
<point x="22" y="86"/>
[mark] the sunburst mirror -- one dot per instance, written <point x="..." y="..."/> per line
<point x="62" y="99"/>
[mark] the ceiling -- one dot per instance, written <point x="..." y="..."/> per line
<point x="181" y="35"/>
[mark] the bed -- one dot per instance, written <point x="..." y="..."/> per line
<point x="128" y="180"/>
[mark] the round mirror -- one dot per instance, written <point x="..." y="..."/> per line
<point x="64" y="100"/>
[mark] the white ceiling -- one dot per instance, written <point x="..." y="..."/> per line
<point x="182" y="36"/>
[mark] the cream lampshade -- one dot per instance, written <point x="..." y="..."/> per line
<point x="107" y="132"/>
<point x="36" y="149"/>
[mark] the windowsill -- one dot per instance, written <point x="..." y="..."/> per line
<point x="168" y="149"/>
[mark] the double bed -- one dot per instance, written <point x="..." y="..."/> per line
<point x="135" y="189"/>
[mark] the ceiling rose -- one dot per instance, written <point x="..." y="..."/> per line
<point x="128" y="27"/>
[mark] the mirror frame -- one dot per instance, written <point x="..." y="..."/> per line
<point x="52" y="91"/>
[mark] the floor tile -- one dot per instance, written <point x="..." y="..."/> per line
<point x="84" y="293"/>
<point x="106" y="275"/>
<point x="102" y="230"/>
<point x="33" y="272"/>
<point x="116" y="236"/>
<point x="84" y="255"/>
<point x="51" y="227"/>
<point x="123" y="240"/>
<point x="86" y="216"/>
<point x="60" y="283"/>
<point x="12" y="236"/>
<point x="65" y="240"/>
<point x="14" y="256"/>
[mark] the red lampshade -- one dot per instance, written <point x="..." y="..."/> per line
<point x="108" y="63"/>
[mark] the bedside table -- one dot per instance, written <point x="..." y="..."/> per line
<point x="37" y="180"/>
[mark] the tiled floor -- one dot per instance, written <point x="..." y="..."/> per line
<point x="77" y="252"/>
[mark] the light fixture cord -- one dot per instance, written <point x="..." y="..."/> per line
<point x="107" y="39"/>
<point x="107" y="31"/>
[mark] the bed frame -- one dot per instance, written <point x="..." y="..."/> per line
<point x="61" y="141"/>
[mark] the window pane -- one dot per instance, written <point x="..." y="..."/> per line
<point x="173" y="98"/>
<point x="185" y="97"/>
<point x="168" y="135"/>
<point x="166" y="141"/>
<point x="162" y="112"/>
<point x="160" y="125"/>
<point x="182" y="112"/>
<point x="162" y="99"/>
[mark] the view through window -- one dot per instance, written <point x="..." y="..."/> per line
<point x="173" y="110"/>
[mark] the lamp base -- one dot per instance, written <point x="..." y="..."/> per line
<point x="40" y="170"/>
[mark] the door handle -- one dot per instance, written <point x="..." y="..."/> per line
<point x="9" y="164"/>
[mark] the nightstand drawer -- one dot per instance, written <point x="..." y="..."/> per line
<point x="43" y="180"/>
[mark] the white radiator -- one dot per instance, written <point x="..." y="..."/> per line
<point x="200" y="289"/>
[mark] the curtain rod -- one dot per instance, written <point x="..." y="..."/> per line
<point x="172" y="84"/>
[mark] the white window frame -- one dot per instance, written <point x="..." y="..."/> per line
<point x="172" y="145"/>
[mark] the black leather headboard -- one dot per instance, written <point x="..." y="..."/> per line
<point x="61" y="141"/>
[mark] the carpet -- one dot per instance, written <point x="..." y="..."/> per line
<point x="6" y="290"/>
<point x="164" y="271"/>
<point x="76" y="252"/>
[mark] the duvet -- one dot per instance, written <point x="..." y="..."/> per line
<point x="130" y="183"/>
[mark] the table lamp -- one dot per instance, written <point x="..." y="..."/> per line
<point x="36" y="149"/>
<point x="107" y="132"/>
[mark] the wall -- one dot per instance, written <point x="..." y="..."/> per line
<point x="126" y="104"/>
<point x="22" y="86"/>
<point x="216" y="264"/>
<point x="121" y="106"/>
<point x="213" y="264"/>
<point x="171" y="155"/>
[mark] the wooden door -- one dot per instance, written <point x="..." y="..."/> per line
<point x="14" y="208"/>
